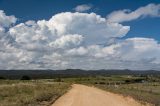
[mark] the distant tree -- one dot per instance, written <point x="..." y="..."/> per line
<point x="139" y="80"/>
<point x="102" y="83"/>
<point x="95" y="82"/>
<point x="58" y="79"/>
<point x="2" y="77"/>
<point x="25" y="77"/>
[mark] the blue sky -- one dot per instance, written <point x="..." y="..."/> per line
<point x="44" y="9"/>
<point x="85" y="34"/>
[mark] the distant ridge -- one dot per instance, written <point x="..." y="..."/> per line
<point x="38" y="74"/>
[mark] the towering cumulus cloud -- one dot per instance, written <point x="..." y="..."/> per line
<point x="73" y="40"/>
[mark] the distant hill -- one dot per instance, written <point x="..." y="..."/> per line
<point x="38" y="74"/>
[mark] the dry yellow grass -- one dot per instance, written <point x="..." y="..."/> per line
<point x="31" y="93"/>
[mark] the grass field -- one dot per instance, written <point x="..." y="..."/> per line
<point x="45" y="92"/>
<point x="147" y="92"/>
<point x="30" y="93"/>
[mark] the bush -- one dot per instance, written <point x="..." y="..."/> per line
<point x="102" y="83"/>
<point x="95" y="82"/>
<point x="134" y="81"/>
<point x="25" y="78"/>
<point x="2" y="77"/>
<point x="58" y="79"/>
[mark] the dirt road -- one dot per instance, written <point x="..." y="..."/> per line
<point x="81" y="95"/>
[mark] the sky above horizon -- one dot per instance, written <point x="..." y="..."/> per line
<point x="84" y="34"/>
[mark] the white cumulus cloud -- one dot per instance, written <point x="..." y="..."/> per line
<point x="73" y="40"/>
<point x="152" y="10"/>
<point x="92" y="27"/>
<point x="82" y="8"/>
<point x="67" y="41"/>
<point x="6" y="21"/>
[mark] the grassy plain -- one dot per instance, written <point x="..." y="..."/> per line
<point x="30" y="93"/>
<point x="44" y="92"/>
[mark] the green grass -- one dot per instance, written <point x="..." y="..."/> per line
<point x="30" y="93"/>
